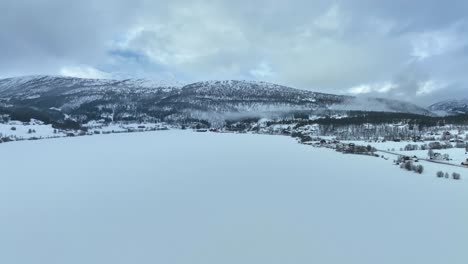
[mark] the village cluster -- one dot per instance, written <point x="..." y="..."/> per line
<point x="433" y="147"/>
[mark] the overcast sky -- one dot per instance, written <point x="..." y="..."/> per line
<point x="413" y="50"/>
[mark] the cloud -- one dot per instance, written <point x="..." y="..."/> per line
<point x="439" y="42"/>
<point x="262" y="71"/>
<point x="381" y="88"/>
<point x="358" y="47"/>
<point x="332" y="19"/>
<point x="84" y="72"/>
<point x="429" y="87"/>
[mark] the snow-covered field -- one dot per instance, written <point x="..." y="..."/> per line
<point x="33" y="129"/>
<point x="457" y="155"/>
<point x="36" y="129"/>
<point x="185" y="197"/>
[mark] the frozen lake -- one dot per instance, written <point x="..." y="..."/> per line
<point x="183" y="197"/>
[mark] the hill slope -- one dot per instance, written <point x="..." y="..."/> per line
<point x="451" y="107"/>
<point x="91" y="99"/>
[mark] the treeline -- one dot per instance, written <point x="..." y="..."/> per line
<point x="329" y="120"/>
<point x="413" y="120"/>
<point x="347" y="118"/>
<point x="55" y="118"/>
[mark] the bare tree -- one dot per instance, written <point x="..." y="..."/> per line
<point x="430" y="153"/>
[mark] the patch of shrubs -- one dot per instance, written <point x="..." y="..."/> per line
<point x="5" y="139"/>
<point x="410" y="166"/>
<point x="455" y="176"/>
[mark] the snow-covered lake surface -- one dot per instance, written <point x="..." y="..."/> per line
<point x="185" y="197"/>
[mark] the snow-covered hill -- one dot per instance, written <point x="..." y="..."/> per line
<point x="459" y="106"/>
<point x="92" y="99"/>
<point x="34" y="87"/>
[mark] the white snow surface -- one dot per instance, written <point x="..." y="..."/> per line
<point x="22" y="130"/>
<point x="185" y="197"/>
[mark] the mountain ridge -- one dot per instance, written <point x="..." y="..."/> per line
<point x="91" y="99"/>
<point x="450" y="107"/>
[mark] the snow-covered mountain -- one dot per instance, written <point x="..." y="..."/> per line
<point x="91" y="99"/>
<point x="27" y="89"/>
<point x="450" y="107"/>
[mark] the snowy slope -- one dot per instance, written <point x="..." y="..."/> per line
<point x="36" y="87"/>
<point x="380" y="105"/>
<point x="91" y="99"/>
<point x="459" y="106"/>
<point x="253" y="97"/>
<point x="258" y="97"/>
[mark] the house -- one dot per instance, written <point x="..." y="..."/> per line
<point x="439" y="156"/>
<point x="436" y="156"/>
<point x="446" y="135"/>
<point x="435" y="145"/>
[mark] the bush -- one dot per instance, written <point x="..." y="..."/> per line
<point x="5" y="139"/>
<point x="409" y="165"/>
<point x="419" y="169"/>
<point x="410" y="147"/>
<point x="456" y="176"/>
<point x="440" y="174"/>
